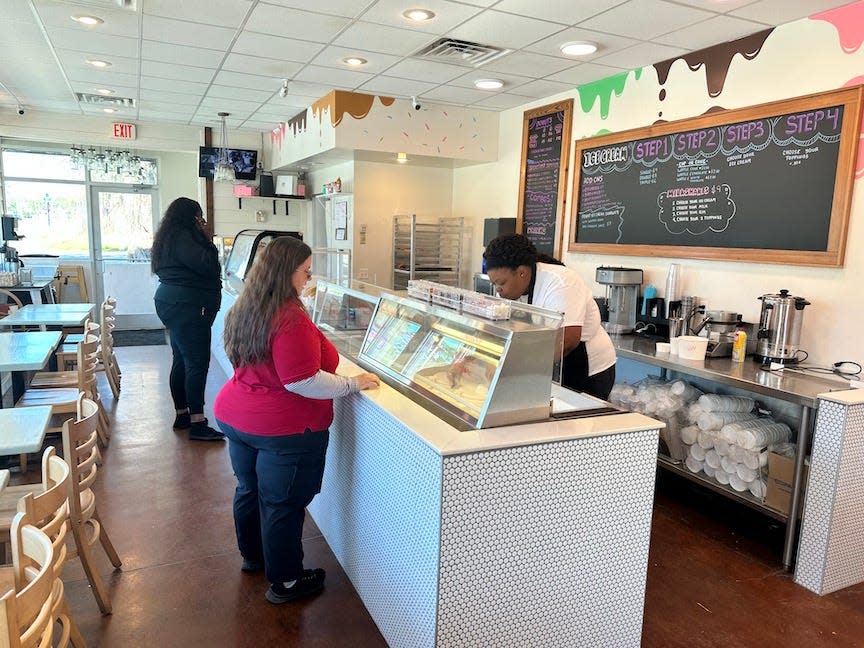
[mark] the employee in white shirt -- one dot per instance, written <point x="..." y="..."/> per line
<point x="516" y="270"/>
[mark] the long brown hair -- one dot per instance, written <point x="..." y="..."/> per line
<point x="267" y="288"/>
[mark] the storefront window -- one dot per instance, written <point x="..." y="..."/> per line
<point x="47" y="166"/>
<point x="52" y="217"/>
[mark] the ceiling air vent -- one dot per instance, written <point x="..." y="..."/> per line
<point x="105" y="101"/>
<point x="458" y="51"/>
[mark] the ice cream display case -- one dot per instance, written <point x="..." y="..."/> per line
<point x="480" y="372"/>
<point x="245" y="246"/>
<point x="344" y="313"/>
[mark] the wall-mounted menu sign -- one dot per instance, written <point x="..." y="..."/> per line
<point x="543" y="176"/>
<point x="769" y="183"/>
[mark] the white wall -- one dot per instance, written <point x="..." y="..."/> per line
<point x="831" y="329"/>
<point x="382" y="191"/>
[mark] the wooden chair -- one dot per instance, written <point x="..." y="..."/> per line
<point x="65" y="353"/>
<point x="81" y="452"/>
<point x="74" y="275"/>
<point x="107" y="359"/>
<point x="11" y="299"/>
<point x="63" y="399"/>
<point x="48" y="509"/>
<point x="26" y="611"/>
<point x="65" y="377"/>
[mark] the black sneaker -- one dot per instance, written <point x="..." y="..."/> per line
<point x="200" y="431"/>
<point x="311" y="582"/>
<point x="182" y="422"/>
<point x="252" y="565"/>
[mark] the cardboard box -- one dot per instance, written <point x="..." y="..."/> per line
<point x="244" y="190"/>
<point x="778" y="494"/>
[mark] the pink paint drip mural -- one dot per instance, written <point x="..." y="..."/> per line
<point x="849" y="23"/>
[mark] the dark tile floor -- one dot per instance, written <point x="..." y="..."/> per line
<point x="714" y="576"/>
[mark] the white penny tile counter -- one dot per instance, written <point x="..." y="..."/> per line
<point x="529" y="535"/>
<point x="831" y="550"/>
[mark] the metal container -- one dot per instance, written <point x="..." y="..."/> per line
<point x="780" y="327"/>
<point x="622" y="297"/>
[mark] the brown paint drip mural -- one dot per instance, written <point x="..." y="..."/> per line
<point x="355" y="104"/>
<point x="712" y="109"/>
<point x="716" y="60"/>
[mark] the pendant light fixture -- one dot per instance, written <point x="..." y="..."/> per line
<point x="223" y="171"/>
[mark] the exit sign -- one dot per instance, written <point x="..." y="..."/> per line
<point x="123" y="131"/>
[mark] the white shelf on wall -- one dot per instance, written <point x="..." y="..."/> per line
<point x="285" y="199"/>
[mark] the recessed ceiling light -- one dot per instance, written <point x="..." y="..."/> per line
<point x="90" y="21"/>
<point x="418" y="15"/>
<point x="354" y="61"/>
<point x="104" y="91"/>
<point x="578" y="48"/>
<point x="99" y="63"/>
<point x="488" y="84"/>
<point x="108" y="110"/>
<point x="401" y="158"/>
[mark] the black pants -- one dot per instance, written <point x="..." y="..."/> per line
<point x="277" y="477"/>
<point x="188" y="327"/>
<point x="575" y="374"/>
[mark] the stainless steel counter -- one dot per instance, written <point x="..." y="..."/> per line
<point x="791" y="386"/>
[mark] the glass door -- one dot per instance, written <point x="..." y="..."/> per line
<point x="124" y="220"/>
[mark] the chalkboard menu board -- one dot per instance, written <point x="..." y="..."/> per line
<point x="769" y="183"/>
<point x="545" y="153"/>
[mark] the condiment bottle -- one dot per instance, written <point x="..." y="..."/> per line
<point x="739" y="346"/>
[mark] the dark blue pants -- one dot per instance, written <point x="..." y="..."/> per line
<point x="277" y="477"/>
<point x="188" y="327"/>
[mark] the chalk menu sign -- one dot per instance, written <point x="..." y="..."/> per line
<point x="543" y="177"/>
<point x="769" y="183"/>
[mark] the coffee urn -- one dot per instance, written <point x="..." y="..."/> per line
<point x="780" y="328"/>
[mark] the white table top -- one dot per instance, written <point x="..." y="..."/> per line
<point x="28" y="351"/>
<point x="22" y="429"/>
<point x="48" y="314"/>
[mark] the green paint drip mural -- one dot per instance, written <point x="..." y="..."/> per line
<point x="602" y="90"/>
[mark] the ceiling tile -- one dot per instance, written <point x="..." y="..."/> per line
<point x="181" y="32"/>
<point x="607" y="43"/>
<point x="541" y="88"/>
<point x="226" y="13"/>
<point x="347" y="8"/>
<point x="719" y="29"/>
<point x="430" y="71"/>
<point x="504" y="30"/>
<point x="447" y="15"/>
<point x="382" y="85"/>
<point x="376" y="62"/>
<point x="567" y="12"/>
<point x="502" y="101"/>
<point x="119" y="91"/>
<point x="719" y="6"/>
<point x="174" y="71"/>
<point x="247" y="94"/>
<point x="585" y="73"/>
<point x="164" y="107"/>
<point x="293" y="23"/>
<point x="76" y="60"/>
<point x="777" y="12"/>
<point x="260" y="66"/>
<point x="161" y="115"/>
<point x="270" y="84"/>
<point x="348" y="79"/>
<point x="195" y="56"/>
<point x="93" y="43"/>
<point x="176" y="98"/>
<point x="459" y="96"/>
<point x="510" y="80"/>
<point x="100" y="78"/>
<point x="642" y="55"/>
<point x="172" y="85"/>
<point x="308" y="89"/>
<point x="59" y="14"/>
<point x="380" y="38"/>
<point x="289" y="106"/>
<point x="630" y="19"/>
<point x="528" y="64"/>
<point x="265" y="45"/>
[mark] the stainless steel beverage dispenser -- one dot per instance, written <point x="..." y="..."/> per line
<point x="622" y="296"/>
<point x="780" y="327"/>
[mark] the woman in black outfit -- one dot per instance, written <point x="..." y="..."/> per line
<point x="187" y="299"/>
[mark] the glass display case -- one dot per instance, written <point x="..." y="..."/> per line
<point x="246" y="245"/>
<point x="480" y="372"/>
<point x="344" y="313"/>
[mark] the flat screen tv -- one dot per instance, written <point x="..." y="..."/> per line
<point x="244" y="161"/>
